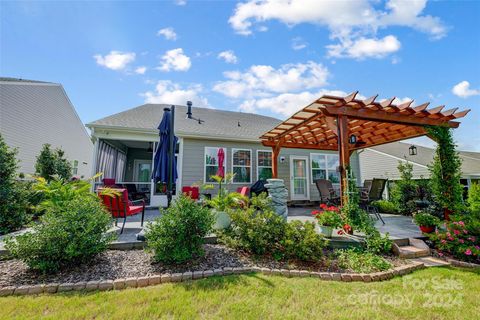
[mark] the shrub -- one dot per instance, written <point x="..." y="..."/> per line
<point x="302" y="242"/>
<point x="70" y="233"/>
<point x="376" y="243"/>
<point x="13" y="203"/>
<point x="425" y="219"/>
<point x="329" y="217"/>
<point x="178" y="235"/>
<point x="404" y="191"/>
<point x="474" y="198"/>
<point x="52" y="163"/>
<point x="362" y="262"/>
<point x="386" y="206"/>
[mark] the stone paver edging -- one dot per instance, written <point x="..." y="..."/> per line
<point x="458" y="263"/>
<point x="140" y="282"/>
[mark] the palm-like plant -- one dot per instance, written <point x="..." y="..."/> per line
<point x="225" y="199"/>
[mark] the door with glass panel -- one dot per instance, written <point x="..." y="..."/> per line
<point x="299" y="186"/>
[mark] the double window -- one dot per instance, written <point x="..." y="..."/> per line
<point x="264" y="165"/>
<point x="242" y="165"/>
<point x="324" y="166"/>
<point x="212" y="161"/>
<point x="74" y="167"/>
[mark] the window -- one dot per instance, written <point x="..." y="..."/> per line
<point x="242" y="165"/>
<point x="211" y="162"/>
<point x="324" y="166"/>
<point x="264" y="165"/>
<point x="74" y="167"/>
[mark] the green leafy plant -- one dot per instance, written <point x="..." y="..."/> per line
<point x="474" y="198"/>
<point x="13" y="200"/>
<point x="69" y="233"/>
<point x="329" y="216"/>
<point x="362" y="262"/>
<point x="404" y="191"/>
<point x="178" y="234"/>
<point x="224" y="199"/>
<point x="51" y="163"/>
<point x="302" y="242"/>
<point x="425" y="219"/>
<point x="386" y="206"/>
<point x="446" y="171"/>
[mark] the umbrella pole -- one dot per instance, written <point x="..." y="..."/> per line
<point x="171" y="155"/>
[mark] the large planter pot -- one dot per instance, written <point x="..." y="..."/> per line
<point x="222" y="220"/>
<point x="326" y="231"/>
<point x="427" y="229"/>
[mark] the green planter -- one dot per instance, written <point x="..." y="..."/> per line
<point x="326" y="231"/>
<point x="222" y="220"/>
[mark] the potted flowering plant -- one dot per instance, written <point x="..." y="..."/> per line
<point x="328" y="218"/>
<point x="426" y="221"/>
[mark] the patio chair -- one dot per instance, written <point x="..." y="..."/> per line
<point x="244" y="191"/>
<point x="327" y="193"/>
<point x="374" y="193"/>
<point x="134" y="193"/>
<point x="120" y="207"/>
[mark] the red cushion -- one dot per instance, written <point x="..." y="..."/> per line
<point x="192" y="192"/>
<point x="134" y="210"/>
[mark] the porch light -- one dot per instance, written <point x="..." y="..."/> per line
<point x="412" y="150"/>
<point x="352" y="139"/>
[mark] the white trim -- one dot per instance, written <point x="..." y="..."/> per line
<point x="256" y="168"/>
<point x="251" y="166"/>
<point x="205" y="165"/>
<point x="326" y="165"/>
<point x="307" y="184"/>
<point x="398" y="158"/>
<point x="179" y="166"/>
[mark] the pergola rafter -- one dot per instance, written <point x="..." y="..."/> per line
<point x="328" y="122"/>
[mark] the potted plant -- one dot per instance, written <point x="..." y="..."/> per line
<point x="224" y="200"/>
<point x="328" y="218"/>
<point x="426" y="221"/>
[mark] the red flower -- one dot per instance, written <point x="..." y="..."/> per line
<point x="456" y="232"/>
<point x="323" y="206"/>
<point x="468" y="252"/>
<point x="347" y="228"/>
<point x="315" y="212"/>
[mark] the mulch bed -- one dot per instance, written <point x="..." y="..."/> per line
<point x="114" y="264"/>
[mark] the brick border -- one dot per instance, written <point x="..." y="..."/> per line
<point x="145" y="281"/>
<point x="458" y="263"/>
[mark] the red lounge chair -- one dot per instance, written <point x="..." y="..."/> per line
<point x="192" y="192"/>
<point x="120" y="207"/>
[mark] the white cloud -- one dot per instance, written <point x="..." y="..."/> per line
<point x="168" y="92"/>
<point x="141" y="70"/>
<point x="264" y="80"/>
<point x="399" y="101"/>
<point x="298" y="43"/>
<point x="115" y="60"/>
<point x="175" y="60"/>
<point x="286" y="104"/>
<point x="228" y="56"/>
<point x="180" y="2"/>
<point x="349" y="22"/>
<point x="462" y="90"/>
<point x="168" y="33"/>
<point x="364" y="48"/>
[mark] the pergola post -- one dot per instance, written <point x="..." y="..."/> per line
<point x="275" y="153"/>
<point x="344" y="155"/>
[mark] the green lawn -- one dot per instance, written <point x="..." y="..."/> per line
<point x="455" y="294"/>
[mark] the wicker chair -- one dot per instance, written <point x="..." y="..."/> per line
<point x="327" y="193"/>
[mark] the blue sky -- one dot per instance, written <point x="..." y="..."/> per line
<point x="254" y="56"/>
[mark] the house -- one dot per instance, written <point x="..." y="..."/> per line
<point x="382" y="161"/>
<point x="124" y="145"/>
<point x="33" y="113"/>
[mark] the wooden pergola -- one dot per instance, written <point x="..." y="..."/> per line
<point x="347" y="124"/>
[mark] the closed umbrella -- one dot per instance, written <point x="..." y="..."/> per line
<point x="162" y="153"/>
<point x="221" y="159"/>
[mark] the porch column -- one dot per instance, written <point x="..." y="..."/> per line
<point x="344" y="155"/>
<point x="275" y="153"/>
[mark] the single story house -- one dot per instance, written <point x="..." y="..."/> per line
<point x="382" y="162"/>
<point x="124" y="144"/>
<point x="33" y="113"/>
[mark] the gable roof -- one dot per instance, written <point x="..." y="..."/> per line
<point x="424" y="156"/>
<point x="10" y="79"/>
<point x="217" y="123"/>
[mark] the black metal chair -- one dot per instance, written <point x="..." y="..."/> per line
<point x="374" y="193"/>
<point x="327" y="193"/>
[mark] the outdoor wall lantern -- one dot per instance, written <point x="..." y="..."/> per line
<point x="352" y="139"/>
<point x="412" y="150"/>
<point x="189" y="113"/>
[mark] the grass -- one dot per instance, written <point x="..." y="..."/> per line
<point x="257" y="296"/>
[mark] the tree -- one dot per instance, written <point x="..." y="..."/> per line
<point x="404" y="190"/>
<point x="12" y="201"/>
<point x="52" y="162"/>
<point x="446" y="171"/>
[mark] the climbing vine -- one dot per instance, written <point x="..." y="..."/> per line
<point x="446" y="171"/>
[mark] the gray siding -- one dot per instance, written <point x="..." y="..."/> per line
<point x="193" y="170"/>
<point x="374" y="164"/>
<point x="32" y="114"/>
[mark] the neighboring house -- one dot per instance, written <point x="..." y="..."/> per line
<point x="33" y="113"/>
<point x="382" y="162"/>
<point x="124" y="145"/>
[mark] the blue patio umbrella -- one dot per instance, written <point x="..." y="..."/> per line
<point x="163" y="153"/>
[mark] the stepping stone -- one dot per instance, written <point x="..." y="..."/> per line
<point x="431" y="262"/>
